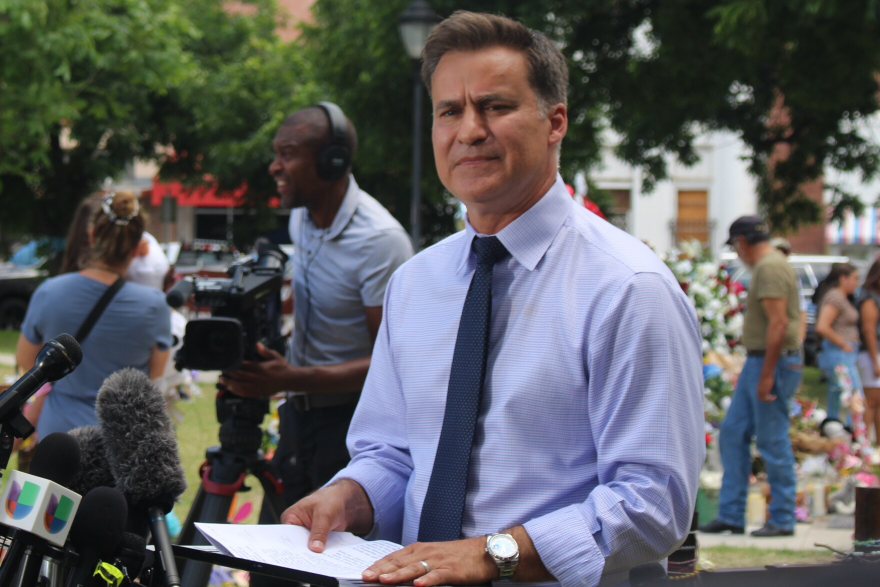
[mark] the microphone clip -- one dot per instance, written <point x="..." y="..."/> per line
<point x="15" y="425"/>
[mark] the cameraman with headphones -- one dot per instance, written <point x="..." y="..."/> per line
<point x="347" y="247"/>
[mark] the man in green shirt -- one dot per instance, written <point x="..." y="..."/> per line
<point x="768" y="381"/>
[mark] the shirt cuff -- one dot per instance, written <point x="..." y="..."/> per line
<point x="566" y="546"/>
<point x="385" y="490"/>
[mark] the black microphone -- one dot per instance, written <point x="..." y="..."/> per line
<point x="94" y="470"/>
<point x="97" y="532"/>
<point x="143" y="454"/>
<point x="130" y="556"/>
<point x="57" y="358"/>
<point x="56" y="459"/>
<point x="181" y="292"/>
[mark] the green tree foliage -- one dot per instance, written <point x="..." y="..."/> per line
<point x="793" y="78"/>
<point x="224" y="116"/>
<point x="360" y="62"/>
<point x="84" y="72"/>
<point x="88" y="86"/>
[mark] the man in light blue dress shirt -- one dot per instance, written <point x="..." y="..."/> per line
<point x="589" y="436"/>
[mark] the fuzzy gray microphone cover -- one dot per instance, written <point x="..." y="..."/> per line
<point x="94" y="470"/>
<point x="139" y="440"/>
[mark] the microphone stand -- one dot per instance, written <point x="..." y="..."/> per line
<point x="28" y="549"/>
<point x="25" y="547"/>
<point x="162" y="540"/>
<point x="13" y="425"/>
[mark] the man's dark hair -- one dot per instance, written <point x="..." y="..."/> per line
<point x="472" y="31"/>
<point x="317" y="126"/>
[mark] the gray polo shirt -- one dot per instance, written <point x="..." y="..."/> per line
<point x="337" y="272"/>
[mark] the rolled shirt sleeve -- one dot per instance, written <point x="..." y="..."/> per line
<point x="645" y="411"/>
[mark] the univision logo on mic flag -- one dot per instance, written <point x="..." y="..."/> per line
<point x="38" y="506"/>
<point x="57" y="513"/>
<point x="21" y="499"/>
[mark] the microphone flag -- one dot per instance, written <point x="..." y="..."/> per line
<point x="38" y="506"/>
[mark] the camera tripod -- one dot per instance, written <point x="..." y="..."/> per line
<point x="224" y="473"/>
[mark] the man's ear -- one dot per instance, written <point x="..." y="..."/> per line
<point x="143" y="248"/>
<point x="558" y="117"/>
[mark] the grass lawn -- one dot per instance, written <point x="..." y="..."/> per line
<point x="197" y="432"/>
<point x="732" y="557"/>
<point x="8" y="340"/>
<point x="811" y="388"/>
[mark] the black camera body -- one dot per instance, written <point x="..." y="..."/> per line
<point x="245" y="309"/>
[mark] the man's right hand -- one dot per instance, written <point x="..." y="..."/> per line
<point x="342" y="506"/>
<point x="258" y="379"/>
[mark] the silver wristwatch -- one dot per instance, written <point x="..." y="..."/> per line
<point x="504" y="551"/>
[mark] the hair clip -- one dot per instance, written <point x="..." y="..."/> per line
<point x="107" y="207"/>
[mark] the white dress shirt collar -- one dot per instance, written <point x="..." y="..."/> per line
<point x="530" y="235"/>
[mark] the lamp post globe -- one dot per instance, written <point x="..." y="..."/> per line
<point x="415" y="24"/>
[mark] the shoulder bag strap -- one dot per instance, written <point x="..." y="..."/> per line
<point x="99" y="308"/>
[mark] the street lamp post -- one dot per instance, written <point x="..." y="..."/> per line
<point x="415" y="24"/>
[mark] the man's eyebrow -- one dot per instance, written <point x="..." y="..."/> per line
<point x="443" y="104"/>
<point x="482" y="100"/>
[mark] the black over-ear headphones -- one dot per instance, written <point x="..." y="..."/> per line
<point x="334" y="159"/>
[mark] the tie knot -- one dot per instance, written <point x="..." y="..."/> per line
<point x="489" y="250"/>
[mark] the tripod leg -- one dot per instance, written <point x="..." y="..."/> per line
<point x="273" y="503"/>
<point x="188" y="531"/>
<point x="215" y="509"/>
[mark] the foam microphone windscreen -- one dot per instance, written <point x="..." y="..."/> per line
<point x="94" y="470"/>
<point x="100" y="522"/>
<point x="139" y="440"/>
<point x="56" y="458"/>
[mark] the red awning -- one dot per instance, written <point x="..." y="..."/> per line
<point x="200" y="196"/>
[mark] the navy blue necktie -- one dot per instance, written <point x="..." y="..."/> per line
<point x="444" y="500"/>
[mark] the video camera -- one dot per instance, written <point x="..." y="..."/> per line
<point x="245" y="309"/>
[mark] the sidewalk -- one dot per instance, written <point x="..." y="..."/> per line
<point x="805" y="537"/>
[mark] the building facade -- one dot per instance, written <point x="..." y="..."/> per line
<point x="698" y="202"/>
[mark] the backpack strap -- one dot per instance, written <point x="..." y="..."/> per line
<point x="99" y="308"/>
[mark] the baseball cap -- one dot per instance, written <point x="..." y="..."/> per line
<point x="749" y="227"/>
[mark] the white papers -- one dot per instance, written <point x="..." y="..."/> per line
<point x="345" y="556"/>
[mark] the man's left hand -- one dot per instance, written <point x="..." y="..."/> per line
<point x="765" y="388"/>
<point x="460" y="562"/>
<point x="258" y="379"/>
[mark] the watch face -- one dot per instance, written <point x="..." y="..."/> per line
<point x="502" y="546"/>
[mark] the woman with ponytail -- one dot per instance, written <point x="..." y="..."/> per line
<point x="838" y="325"/>
<point x="133" y="330"/>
